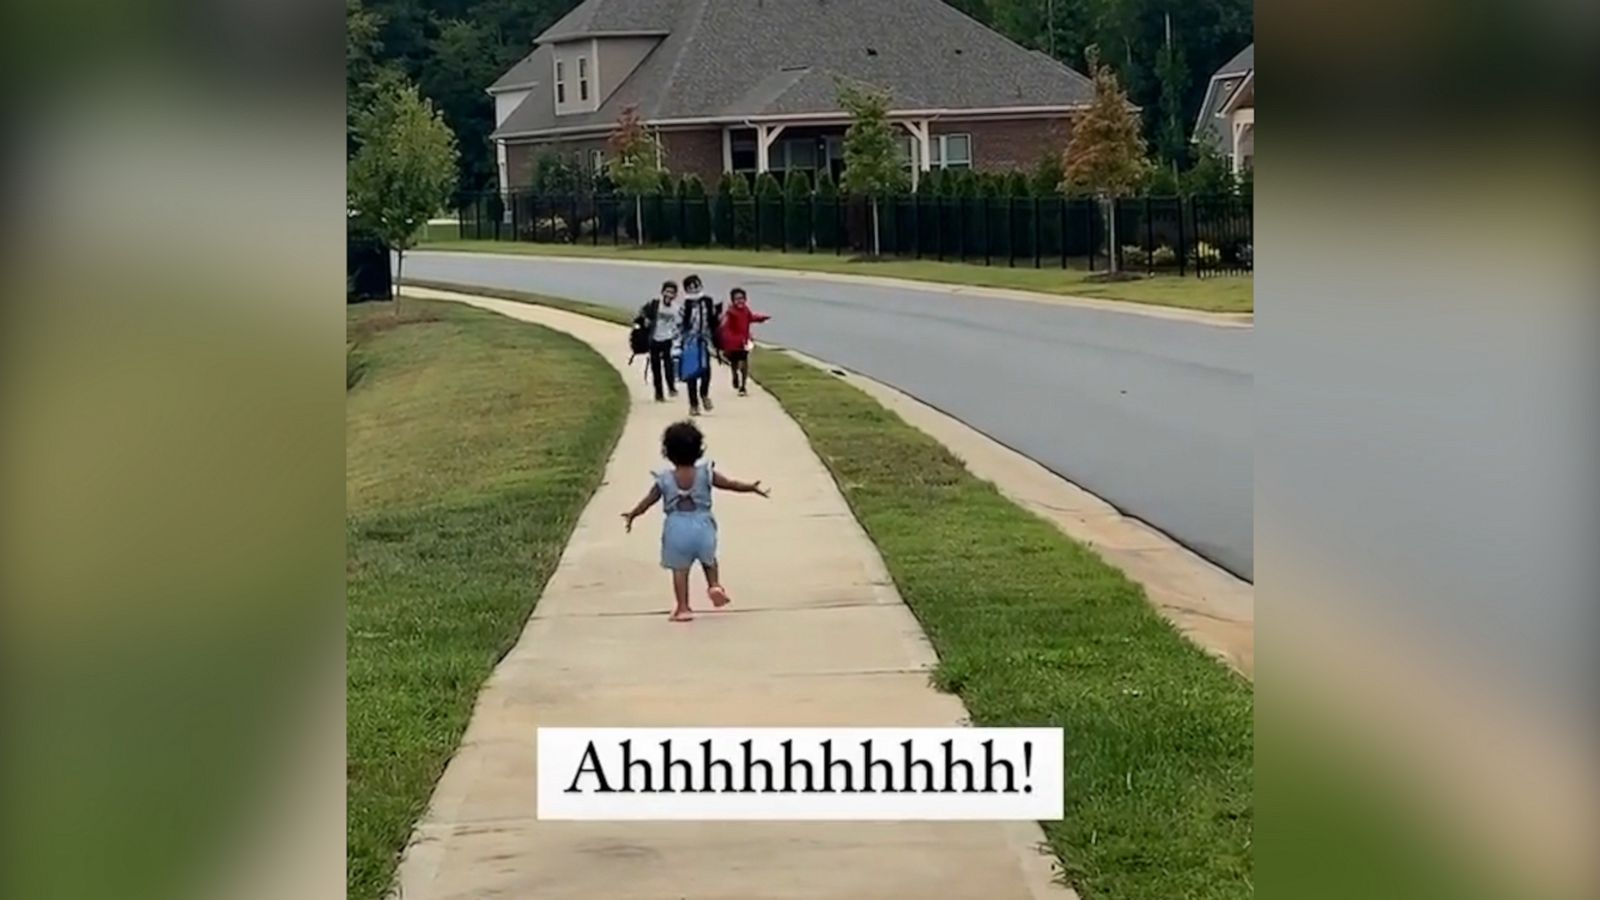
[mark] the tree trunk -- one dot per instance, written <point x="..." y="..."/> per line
<point x="1111" y="235"/>
<point x="876" y="249"/>
<point x="638" y="220"/>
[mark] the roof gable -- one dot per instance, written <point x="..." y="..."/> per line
<point x="1223" y="85"/>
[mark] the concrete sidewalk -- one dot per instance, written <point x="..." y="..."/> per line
<point x="817" y="635"/>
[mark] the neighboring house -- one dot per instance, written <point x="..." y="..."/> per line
<point x="1228" y="113"/>
<point x="747" y="86"/>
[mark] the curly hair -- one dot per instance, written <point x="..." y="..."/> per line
<point x="683" y="444"/>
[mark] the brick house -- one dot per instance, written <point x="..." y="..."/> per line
<point x="748" y="86"/>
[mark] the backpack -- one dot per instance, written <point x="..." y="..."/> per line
<point x="693" y="362"/>
<point x="643" y="326"/>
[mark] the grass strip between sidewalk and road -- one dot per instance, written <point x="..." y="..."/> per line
<point x="1032" y="628"/>
<point x="467" y="466"/>
<point x="1221" y="293"/>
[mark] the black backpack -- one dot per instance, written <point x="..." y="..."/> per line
<point x="643" y="325"/>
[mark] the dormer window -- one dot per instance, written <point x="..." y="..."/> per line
<point x="583" y="79"/>
<point x="561" y="83"/>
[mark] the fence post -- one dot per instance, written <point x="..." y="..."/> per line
<point x="983" y="216"/>
<point x="783" y="223"/>
<point x="1149" y="239"/>
<point x="756" y="201"/>
<point x="1038" y="251"/>
<point x="1088" y="214"/>
<point x="1011" y="231"/>
<point x="1061" y="217"/>
<point x="961" y="229"/>
<point x="938" y="226"/>
<point x="516" y="216"/>
<point x="1183" y="248"/>
<point x="838" y="224"/>
<point x="811" y="224"/>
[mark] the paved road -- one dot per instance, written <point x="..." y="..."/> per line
<point x="1154" y="415"/>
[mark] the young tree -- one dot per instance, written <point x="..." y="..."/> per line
<point x="634" y="163"/>
<point x="1172" y="139"/>
<point x="1106" y="156"/>
<point x="405" y="168"/>
<point x="1210" y="176"/>
<point x="871" y="161"/>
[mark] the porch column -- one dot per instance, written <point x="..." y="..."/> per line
<point x="919" y="149"/>
<point x="1243" y="119"/>
<point x="766" y="135"/>
<point x="727" y="150"/>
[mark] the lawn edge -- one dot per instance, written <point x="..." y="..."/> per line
<point x="1153" y="309"/>
<point x="535" y="585"/>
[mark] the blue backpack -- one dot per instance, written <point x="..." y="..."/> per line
<point x="692" y="364"/>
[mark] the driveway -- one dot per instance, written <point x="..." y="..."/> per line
<point x="1152" y="414"/>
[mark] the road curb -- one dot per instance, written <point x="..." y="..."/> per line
<point x="1124" y="307"/>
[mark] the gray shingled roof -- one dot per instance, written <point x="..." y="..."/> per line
<point x="737" y="58"/>
<point x="525" y="72"/>
<point x="612" y="16"/>
<point x="1223" y="82"/>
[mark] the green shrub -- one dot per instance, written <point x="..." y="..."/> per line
<point x="1047" y="175"/>
<point x="769" y="211"/>
<point x="828" y="214"/>
<point x="722" y="210"/>
<point x="744" y="213"/>
<point x="797" y="209"/>
<point x="696" y="212"/>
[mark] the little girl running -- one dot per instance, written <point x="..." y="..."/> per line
<point x="689" y="534"/>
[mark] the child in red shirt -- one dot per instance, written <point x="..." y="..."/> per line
<point x="735" y="337"/>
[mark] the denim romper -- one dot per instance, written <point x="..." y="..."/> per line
<point x="687" y="535"/>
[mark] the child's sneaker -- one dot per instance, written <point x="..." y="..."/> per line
<point x="708" y="404"/>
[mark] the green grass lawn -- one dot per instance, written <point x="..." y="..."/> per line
<point x="1033" y="629"/>
<point x="1229" y="294"/>
<point x="467" y="466"/>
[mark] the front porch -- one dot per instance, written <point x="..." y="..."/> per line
<point x="814" y="148"/>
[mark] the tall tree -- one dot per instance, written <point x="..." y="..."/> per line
<point x="1106" y="155"/>
<point x="871" y="158"/>
<point x="404" y="170"/>
<point x="633" y="160"/>
<point x="1171" y="127"/>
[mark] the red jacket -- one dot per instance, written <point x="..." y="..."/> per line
<point x="736" y="324"/>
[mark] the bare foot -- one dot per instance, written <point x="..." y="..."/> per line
<point x="719" y="597"/>
<point x="681" y="615"/>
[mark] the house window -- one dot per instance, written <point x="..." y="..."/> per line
<point x="792" y="153"/>
<point x="561" y="83"/>
<point x="950" y="151"/>
<point x="903" y="148"/>
<point x="583" y="79"/>
<point x="744" y="154"/>
<point x="597" y="161"/>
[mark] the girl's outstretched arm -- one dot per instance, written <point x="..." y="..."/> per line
<point x="650" y="499"/>
<point x="738" y="487"/>
<point x="759" y="317"/>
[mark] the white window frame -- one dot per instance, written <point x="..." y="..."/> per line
<point x="583" y="79"/>
<point x="939" y="155"/>
<point x="597" y="161"/>
<point x="561" y="84"/>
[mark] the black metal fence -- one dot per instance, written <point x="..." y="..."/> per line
<point x="1179" y="235"/>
